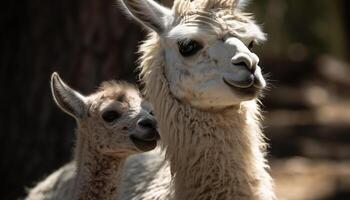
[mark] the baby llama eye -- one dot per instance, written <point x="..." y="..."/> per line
<point x="110" y="116"/>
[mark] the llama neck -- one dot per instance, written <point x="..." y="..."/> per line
<point x="97" y="174"/>
<point x="216" y="156"/>
<point x="221" y="158"/>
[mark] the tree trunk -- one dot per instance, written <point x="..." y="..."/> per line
<point x="86" y="42"/>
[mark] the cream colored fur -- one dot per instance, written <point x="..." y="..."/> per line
<point x="58" y="185"/>
<point x="210" y="132"/>
<point x="146" y="176"/>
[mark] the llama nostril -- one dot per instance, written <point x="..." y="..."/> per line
<point x="147" y="130"/>
<point x="147" y="123"/>
<point x="244" y="60"/>
<point x="241" y="63"/>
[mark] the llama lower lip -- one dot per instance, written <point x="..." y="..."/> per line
<point x="240" y="79"/>
<point x="143" y="145"/>
<point x="253" y="90"/>
<point x="232" y="84"/>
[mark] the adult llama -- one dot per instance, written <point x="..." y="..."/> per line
<point x="203" y="79"/>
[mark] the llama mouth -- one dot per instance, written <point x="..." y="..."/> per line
<point x="254" y="89"/>
<point x="245" y="81"/>
<point x="143" y="145"/>
<point x="241" y="82"/>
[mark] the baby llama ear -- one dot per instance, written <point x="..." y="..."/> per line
<point x="69" y="100"/>
<point x="149" y="13"/>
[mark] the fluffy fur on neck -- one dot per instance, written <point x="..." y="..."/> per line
<point x="212" y="155"/>
<point x="97" y="175"/>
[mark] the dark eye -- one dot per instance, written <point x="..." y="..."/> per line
<point x="110" y="116"/>
<point x="151" y="113"/>
<point x="251" y="45"/>
<point x="189" y="47"/>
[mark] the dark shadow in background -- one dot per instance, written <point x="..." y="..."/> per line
<point x="86" y="42"/>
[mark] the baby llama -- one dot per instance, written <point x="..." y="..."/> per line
<point x="113" y="123"/>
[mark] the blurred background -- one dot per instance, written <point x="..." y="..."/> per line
<point x="307" y="109"/>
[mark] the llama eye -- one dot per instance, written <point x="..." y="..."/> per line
<point x="251" y="45"/>
<point x="110" y="116"/>
<point x="151" y="113"/>
<point x="189" y="48"/>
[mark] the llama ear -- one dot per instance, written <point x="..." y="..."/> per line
<point x="69" y="100"/>
<point x="149" y="13"/>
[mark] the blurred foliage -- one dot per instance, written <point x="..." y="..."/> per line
<point x="300" y="30"/>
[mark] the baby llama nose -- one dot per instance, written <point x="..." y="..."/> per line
<point x="147" y="123"/>
<point x="149" y="129"/>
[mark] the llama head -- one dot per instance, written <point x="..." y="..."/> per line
<point x="114" y="120"/>
<point x="206" y="48"/>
